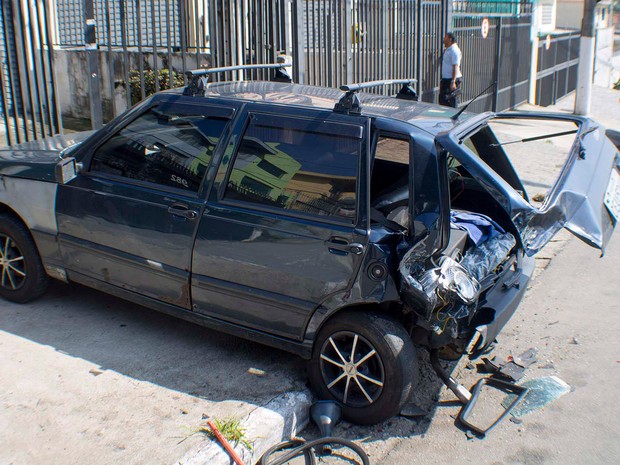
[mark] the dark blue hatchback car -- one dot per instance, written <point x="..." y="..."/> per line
<point x="324" y="225"/>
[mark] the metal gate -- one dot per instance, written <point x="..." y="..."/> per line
<point x="502" y="57"/>
<point x="363" y="40"/>
<point x="558" y="60"/>
<point x="28" y="106"/>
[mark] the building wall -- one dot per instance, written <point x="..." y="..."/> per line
<point x="569" y="14"/>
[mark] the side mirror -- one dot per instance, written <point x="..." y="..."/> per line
<point x="66" y="170"/>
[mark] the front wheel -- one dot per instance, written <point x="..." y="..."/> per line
<point x="367" y="363"/>
<point x="22" y="276"/>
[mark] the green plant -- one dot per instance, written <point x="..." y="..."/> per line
<point x="165" y="82"/>
<point x="231" y="429"/>
<point x="617" y="85"/>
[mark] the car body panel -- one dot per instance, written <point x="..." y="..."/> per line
<point x="37" y="160"/>
<point x="270" y="268"/>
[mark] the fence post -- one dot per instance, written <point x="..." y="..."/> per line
<point x="300" y="42"/>
<point x="92" y="58"/>
<point x="348" y="32"/>
<point x="498" y="61"/>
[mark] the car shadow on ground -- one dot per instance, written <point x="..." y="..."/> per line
<point x="145" y="345"/>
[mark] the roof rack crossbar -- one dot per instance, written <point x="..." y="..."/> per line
<point x="349" y="103"/>
<point x="370" y="84"/>
<point x="207" y="71"/>
<point x="199" y="78"/>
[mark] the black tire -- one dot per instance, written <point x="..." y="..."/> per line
<point x="393" y="367"/>
<point x="22" y="276"/>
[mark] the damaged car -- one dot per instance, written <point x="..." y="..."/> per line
<point x="348" y="228"/>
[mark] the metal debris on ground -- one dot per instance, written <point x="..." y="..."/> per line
<point x="541" y="392"/>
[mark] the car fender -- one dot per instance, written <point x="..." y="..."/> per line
<point x="34" y="202"/>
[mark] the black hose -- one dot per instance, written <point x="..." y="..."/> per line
<point x="305" y="448"/>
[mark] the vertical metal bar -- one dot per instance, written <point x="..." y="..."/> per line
<point x="498" y="58"/>
<point x="22" y="71"/>
<point x="348" y="27"/>
<point x="110" y="61"/>
<point x="92" y="58"/>
<point x="46" y="71"/>
<point x="50" y="60"/>
<point x="183" y="39"/>
<point x="5" y="106"/>
<point x="300" y="43"/>
<point x="169" y="41"/>
<point x="384" y="44"/>
<point x="36" y="53"/>
<point x="138" y="25"/>
<point x="154" y="39"/>
<point x="6" y="14"/>
<point x="123" y="18"/>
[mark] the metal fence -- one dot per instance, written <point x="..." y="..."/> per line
<point x="28" y="108"/>
<point x="502" y="57"/>
<point x="143" y="46"/>
<point x="558" y="60"/>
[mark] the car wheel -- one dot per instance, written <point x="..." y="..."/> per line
<point x="367" y="363"/>
<point x="22" y="276"/>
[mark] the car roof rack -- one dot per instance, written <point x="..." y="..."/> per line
<point x="349" y="103"/>
<point x="199" y="78"/>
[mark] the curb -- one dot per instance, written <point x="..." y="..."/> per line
<point x="278" y="420"/>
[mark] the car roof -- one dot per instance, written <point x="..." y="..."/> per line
<point x="426" y="116"/>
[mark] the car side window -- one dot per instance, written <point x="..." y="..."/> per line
<point x="163" y="147"/>
<point x="298" y="165"/>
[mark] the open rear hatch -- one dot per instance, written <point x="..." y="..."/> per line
<point x="585" y="198"/>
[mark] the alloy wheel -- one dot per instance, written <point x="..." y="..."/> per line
<point x="352" y="369"/>
<point x="12" y="264"/>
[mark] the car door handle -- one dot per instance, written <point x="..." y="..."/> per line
<point x="180" y="209"/>
<point x="341" y="246"/>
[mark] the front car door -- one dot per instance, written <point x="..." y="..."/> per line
<point x="585" y="198"/>
<point x="129" y="219"/>
<point x="286" y="224"/>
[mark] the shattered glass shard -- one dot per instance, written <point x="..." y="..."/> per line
<point x="542" y="391"/>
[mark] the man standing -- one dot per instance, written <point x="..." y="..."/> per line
<point x="451" y="77"/>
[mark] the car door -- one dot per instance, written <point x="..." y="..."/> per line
<point x="286" y="224"/>
<point x="130" y="217"/>
<point x="585" y="198"/>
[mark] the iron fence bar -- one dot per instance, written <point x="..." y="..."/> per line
<point x="300" y="43"/>
<point x="46" y="73"/>
<point x="5" y="106"/>
<point x="19" y="43"/>
<point x="138" y="23"/>
<point x="50" y="59"/>
<point x="154" y="39"/>
<point x="348" y="24"/>
<point x="123" y="21"/>
<point x="35" y="58"/>
<point x="110" y="64"/>
<point x="170" y="75"/>
<point x="418" y="60"/>
<point x="183" y="39"/>
<point x="498" y="58"/>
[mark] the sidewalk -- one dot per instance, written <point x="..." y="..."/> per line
<point x="605" y="106"/>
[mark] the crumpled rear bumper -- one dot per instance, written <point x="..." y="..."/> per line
<point x="501" y="302"/>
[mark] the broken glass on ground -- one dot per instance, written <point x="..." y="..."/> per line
<point x="542" y="391"/>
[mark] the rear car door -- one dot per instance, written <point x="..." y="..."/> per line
<point x="286" y="223"/>
<point x="129" y="219"/>
<point x="585" y="198"/>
